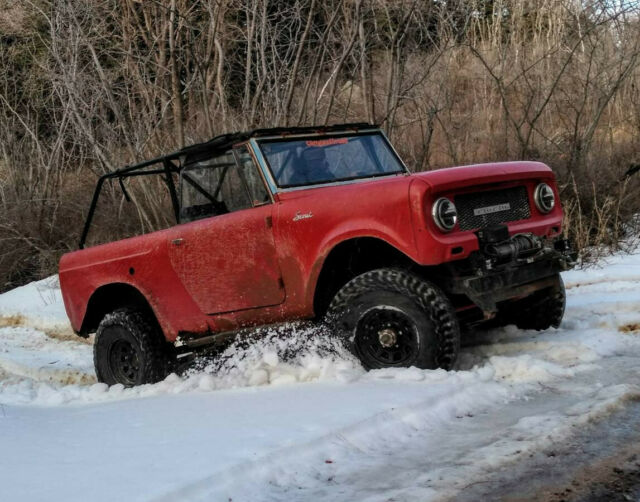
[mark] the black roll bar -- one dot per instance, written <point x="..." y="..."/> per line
<point x="168" y="169"/>
<point x="218" y="143"/>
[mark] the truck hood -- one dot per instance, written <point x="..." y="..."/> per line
<point x="440" y="179"/>
<point x="480" y="174"/>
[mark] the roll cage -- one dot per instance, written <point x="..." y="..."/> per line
<point x="174" y="163"/>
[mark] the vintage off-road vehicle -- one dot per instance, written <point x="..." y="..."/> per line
<point x="322" y="223"/>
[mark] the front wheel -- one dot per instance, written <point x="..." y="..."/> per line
<point x="129" y="349"/>
<point x="393" y="318"/>
<point x="541" y="310"/>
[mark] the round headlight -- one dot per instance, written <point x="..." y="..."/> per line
<point x="544" y="198"/>
<point x="444" y="214"/>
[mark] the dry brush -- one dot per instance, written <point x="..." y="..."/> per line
<point x="86" y="87"/>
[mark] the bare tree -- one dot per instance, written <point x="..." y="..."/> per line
<point x="90" y="86"/>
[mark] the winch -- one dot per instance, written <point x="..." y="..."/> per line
<point x="496" y="244"/>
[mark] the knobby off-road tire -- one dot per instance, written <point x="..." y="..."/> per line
<point x="392" y="318"/>
<point x="129" y="349"/>
<point x="541" y="310"/>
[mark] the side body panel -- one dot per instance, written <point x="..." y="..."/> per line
<point x="310" y="223"/>
<point x="142" y="262"/>
<point x="228" y="262"/>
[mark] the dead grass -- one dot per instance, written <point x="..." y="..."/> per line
<point x="14" y="321"/>
<point x="11" y="321"/>
<point x="633" y="327"/>
<point x="67" y="335"/>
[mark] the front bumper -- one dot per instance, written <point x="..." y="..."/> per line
<point x="488" y="279"/>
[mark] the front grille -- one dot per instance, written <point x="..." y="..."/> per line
<point x="492" y="207"/>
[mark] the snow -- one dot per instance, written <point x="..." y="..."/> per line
<point x="39" y="305"/>
<point x="293" y="416"/>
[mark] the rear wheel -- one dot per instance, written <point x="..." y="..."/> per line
<point x="129" y="349"/>
<point x="393" y="318"/>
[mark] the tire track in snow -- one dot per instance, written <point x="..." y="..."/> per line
<point x="30" y="354"/>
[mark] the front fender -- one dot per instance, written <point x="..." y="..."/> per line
<point x="363" y="228"/>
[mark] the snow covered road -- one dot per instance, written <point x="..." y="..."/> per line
<point x="316" y="427"/>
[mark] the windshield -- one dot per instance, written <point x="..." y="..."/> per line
<point x="315" y="160"/>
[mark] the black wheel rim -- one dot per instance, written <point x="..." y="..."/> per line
<point x="124" y="362"/>
<point x="386" y="337"/>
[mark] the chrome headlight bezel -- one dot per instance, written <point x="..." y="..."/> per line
<point x="545" y="198"/>
<point x="444" y="214"/>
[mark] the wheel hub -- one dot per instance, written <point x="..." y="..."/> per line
<point x="124" y="362"/>
<point x="387" y="337"/>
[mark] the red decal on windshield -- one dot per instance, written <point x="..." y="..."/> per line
<point x="327" y="142"/>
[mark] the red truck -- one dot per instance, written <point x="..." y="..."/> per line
<point x="323" y="223"/>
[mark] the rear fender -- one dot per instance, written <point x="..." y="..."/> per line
<point x="108" y="298"/>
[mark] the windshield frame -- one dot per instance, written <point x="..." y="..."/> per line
<point x="269" y="174"/>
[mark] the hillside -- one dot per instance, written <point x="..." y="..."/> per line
<point x="87" y="87"/>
